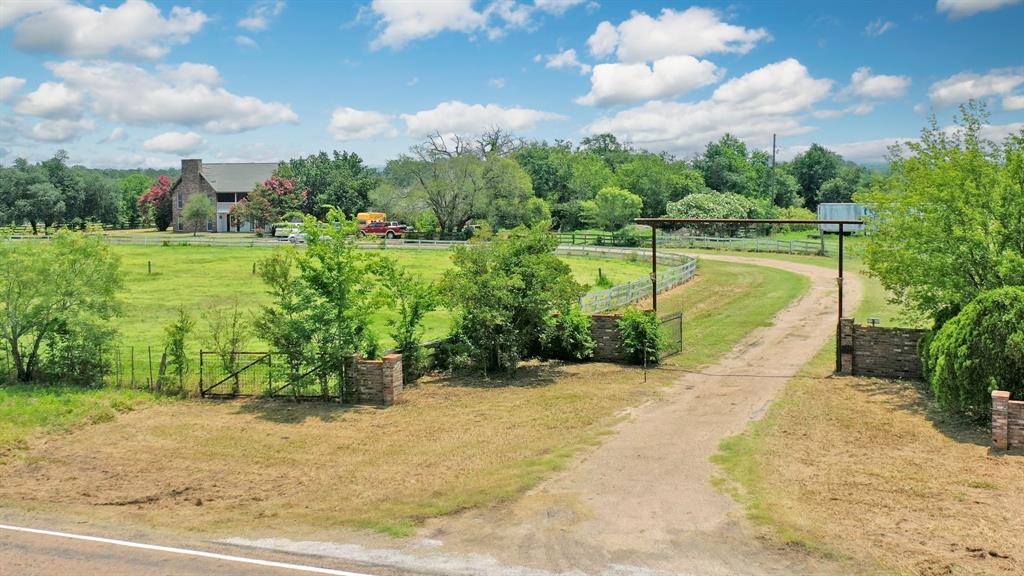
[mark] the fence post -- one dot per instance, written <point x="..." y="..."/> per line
<point x="150" y="353"/>
<point x="133" y="366"/>
<point x="202" y="393"/>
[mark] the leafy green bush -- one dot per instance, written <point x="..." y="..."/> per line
<point x="978" y="351"/>
<point x="75" y="353"/>
<point x="567" y="336"/>
<point x="175" y="342"/>
<point x="503" y="292"/>
<point x="796" y="213"/>
<point x="641" y="335"/>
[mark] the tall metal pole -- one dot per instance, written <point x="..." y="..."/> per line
<point x="654" y="268"/>
<point x="841" y="234"/>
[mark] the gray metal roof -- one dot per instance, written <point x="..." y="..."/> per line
<point x="240" y="177"/>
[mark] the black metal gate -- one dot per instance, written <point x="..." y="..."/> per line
<point x="671" y="334"/>
<point x="239" y="374"/>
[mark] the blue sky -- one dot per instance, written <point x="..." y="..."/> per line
<point x="138" y="83"/>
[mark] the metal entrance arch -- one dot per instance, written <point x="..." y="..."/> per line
<point x="656" y="223"/>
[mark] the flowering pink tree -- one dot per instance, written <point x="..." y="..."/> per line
<point x="156" y="203"/>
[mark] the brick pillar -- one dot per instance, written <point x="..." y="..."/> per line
<point x="392" y="370"/>
<point x="846" y="345"/>
<point x="1000" y="419"/>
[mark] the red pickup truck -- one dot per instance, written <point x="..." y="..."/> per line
<point x="383" y="228"/>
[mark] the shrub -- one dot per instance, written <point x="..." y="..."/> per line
<point x="567" y="336"/>
<point x="76" y="353"/>
<point x="796" y="213"/>
<point x="175" y="339"/>
<point x="412" y="299"/>
<point x="978" y="351"/>
<point x="641" y="335"/>
<point x="503" y="293"/>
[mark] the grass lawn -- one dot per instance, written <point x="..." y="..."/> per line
<point x="719" y="308"/>
<point x="27" y="410"/>
<point x="869" y="470"/>
<point x="453" y="443"/>
<point x="201" y="277"/>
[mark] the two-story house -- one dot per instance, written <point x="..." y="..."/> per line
<point x="225" y="184"/>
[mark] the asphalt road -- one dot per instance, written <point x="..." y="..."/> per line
<point x="34" y="554"/>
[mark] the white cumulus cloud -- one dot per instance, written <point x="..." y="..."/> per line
<point x="61" y="130"/>
<point x="964" y="86"/>
<point x="461" y="118"/>
<point x="694" y="31"/>
<point x="9" y="87"/>
<point x="620" y="83"/>
<point x="752" y="107"/>
<point x="402" y="21"/>
<point x="1012" y="103"/>
<point x="877" y="86"/>
<point x="261" y="14"/>
<point x="188" y="94"/>
<point x="51" y="100"/>
<point x="136" y="29"/>
<point x="351" y="124"/>
<point x="175" y="142"/>
<point x="566" y="59"/>
<point x="964" y="8"/>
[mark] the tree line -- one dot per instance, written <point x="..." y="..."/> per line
<point x="446" y="183"/>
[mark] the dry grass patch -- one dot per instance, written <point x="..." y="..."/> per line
<point x="239" y="466"/>
<point x="869" y="469"/>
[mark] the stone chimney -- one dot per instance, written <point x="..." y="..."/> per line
<point x="190" y="168"/>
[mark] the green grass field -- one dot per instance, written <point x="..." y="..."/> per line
<point x="204" y="278"/>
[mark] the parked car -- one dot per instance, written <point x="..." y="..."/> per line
<point x="297" y="237"/>
<point x="392" y="229"/>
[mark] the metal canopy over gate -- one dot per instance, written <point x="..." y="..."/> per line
<point x="656" y="223"/>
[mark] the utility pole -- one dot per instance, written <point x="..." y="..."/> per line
<point x="773" y="152"/>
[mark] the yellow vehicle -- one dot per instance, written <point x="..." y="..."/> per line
<point x="364" y="218"/>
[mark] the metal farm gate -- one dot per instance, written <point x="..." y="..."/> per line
<point x="256" y="374"/>
<point x="671" y="334"/>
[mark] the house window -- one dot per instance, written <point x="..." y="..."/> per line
<point x="225" y="197"/>
<point x="181" y="203"/>
<point x="209" y="225"/>
<point x="180" y="226"/>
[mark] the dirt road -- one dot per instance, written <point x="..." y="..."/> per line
<point x="642" y="503"/>
<point x="644" y="499"/>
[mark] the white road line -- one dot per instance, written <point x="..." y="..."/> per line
<point x="186" y="552"/>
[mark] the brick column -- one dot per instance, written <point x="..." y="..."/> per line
<point x="1000" y="419"/>
<point x="846" y="346"/>
<point x="392" y="370"/>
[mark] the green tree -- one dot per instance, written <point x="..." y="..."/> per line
<point x="453" y="188"/>
<point x="726" y="167"/>
<point x="612" y="208"/>
<point x="812" y="169"/>
<point x="608" y="148"/>
<point x="198" y="211"/>
<point x="132" y="188"/>
<point x="320" y="311"/>
<point x="509" y="195"/>
<point x="63" y="284"/>
<point x="502" y="294"/>
<point x="649" y="177"/>
<point x="949" y="220"/>
<point x="412" y="299"/>
<point x="176" y="335"/>
<point x="339" y="179"/>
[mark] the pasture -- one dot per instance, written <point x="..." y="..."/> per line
<point x="201" y="278"/>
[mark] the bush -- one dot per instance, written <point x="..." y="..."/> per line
<point x="978" y="351"/>
<point x="503" y="292"/>
<point x="176" y="336"/>
<point x="796" y="213"/>
<point x="76" y="353"/>
<point x="641" y="335"/>
<point x="567" y="336"/>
